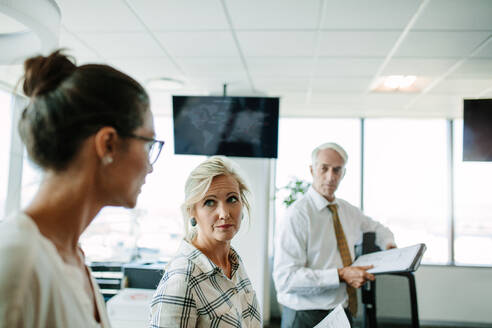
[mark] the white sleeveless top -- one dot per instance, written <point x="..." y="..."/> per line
<point x="37" y="288"/>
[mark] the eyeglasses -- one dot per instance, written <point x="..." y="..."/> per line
<point x="154" y="147"/>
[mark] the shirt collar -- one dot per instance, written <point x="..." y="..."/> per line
<point x="203" y="262"/>
<point x="319" y="201"/>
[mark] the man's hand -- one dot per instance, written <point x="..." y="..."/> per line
<point x="390" y="246"/>
<point x="355" y="276"/>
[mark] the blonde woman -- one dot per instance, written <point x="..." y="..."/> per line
<point x="205" y="284"/>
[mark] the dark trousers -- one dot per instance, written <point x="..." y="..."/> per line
<point x="305" y="318"/>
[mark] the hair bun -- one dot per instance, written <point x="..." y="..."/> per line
<point x="44" y="74"/>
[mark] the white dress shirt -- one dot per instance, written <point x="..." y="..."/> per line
<point x="38" y="289"/>
<point x="306" y="252"/>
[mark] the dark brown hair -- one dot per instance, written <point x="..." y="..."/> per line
<point x="69" y="103"/>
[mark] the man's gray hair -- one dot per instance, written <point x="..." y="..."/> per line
<point x="329" y="145"/>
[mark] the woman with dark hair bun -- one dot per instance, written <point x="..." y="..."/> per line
<point x="91" y="130"/>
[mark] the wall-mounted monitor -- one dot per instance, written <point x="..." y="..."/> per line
<point x="231" y="126"/>
<point x="477" y="130"/>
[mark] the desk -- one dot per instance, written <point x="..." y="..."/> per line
<point x="130" y="308"/>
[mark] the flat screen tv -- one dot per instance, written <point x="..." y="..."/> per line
<point x="231" y="126"/>
<point x="477" y="130"/>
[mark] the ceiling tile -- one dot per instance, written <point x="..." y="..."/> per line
<point x="280" y="66"/>
<point x="347" y="67"/>
<point x="291" y="97"/>
<point x="236" y="84"/>
<point x="440" y="44"/>
<point x="438" y="105"/>
<point x="486" y="51"/>
<point x="456" y="15"/>
<point x="474" y="68"/>
<point x="418" y="66"/>
<point x="144" y="69"/>
<point x="277" y="43"/>
<point x="172" y="15"/>
<point x="194" y="44"/>
<point x="388" y="101"/>
<point x="280" y="84"/>
<point x="210" y="66"/>
<point x="365" y="14"/>
<point x="359" y="43"/>
<point x="74" y="46"/>
<point x="274" y="14"/>
<point x="346" y="99"/>
<point x="462" y="87"/>
<point x="340" y="84"/>
<point x="96" y="15"/>
<point x="122" y="45"/>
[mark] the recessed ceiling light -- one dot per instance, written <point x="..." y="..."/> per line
<point x="164" y="84"/>
<point x="403" y="83"/>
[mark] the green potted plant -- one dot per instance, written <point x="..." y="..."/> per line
<point x="293" y="190"/>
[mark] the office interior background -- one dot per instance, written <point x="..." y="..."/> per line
<point x="331" y="63"/>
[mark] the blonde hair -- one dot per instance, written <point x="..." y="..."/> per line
<point x="200" y="179"/>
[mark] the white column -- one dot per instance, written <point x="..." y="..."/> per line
<point x="252" y="240"/>
<point x="15" y="158"/>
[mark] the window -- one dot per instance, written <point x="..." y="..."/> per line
<point x="298" y="138"/>
<point x="150" y="231"/>
<point x="5" y="134"/>
<point x="472" y="206"/>
<point x="405" y="182"/>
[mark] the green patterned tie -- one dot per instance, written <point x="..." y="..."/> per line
<point x="345" y="254"/>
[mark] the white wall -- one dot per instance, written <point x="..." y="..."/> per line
<point x="461" y="294"/>
<point x="444" y="294"/>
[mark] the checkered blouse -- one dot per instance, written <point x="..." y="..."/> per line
<point x="194" y="292"/>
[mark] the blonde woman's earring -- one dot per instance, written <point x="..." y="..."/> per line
<point x="193" y="222"/>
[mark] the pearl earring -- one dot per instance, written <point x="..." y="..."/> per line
<point x="193" y="222"/>
<point x="107" y="160"/>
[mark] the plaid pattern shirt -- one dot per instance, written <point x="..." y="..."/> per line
<point x="194" y="292"/>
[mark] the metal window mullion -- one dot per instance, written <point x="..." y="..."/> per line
<point x="362" y="121"/>
<point x="450" y="191"/>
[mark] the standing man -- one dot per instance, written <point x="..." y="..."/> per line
<point x="315" y="246"/>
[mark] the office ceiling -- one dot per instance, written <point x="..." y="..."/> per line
<point x="320" y="56"/>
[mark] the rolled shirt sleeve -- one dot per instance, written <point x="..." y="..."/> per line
<point x="384" y="236"/>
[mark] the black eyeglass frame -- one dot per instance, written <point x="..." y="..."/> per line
<point x="152" y="142"/>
